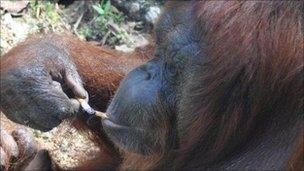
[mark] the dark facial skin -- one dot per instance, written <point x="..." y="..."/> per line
<point x="144" y="111"/>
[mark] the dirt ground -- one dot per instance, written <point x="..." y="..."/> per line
<point x="66" y="146"/>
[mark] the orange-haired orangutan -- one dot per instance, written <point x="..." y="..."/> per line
<point x="224" y="89"/>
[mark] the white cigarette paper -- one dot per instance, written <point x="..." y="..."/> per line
<point x="88" y="109"/>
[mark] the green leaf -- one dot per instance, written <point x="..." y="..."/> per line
<point x="107" y="6"/>
<point x="99" y="9"/>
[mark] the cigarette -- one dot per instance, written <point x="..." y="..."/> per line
<point x="101" y="115"/>
<point x="88" y="109"/>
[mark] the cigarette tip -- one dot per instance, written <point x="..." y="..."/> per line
<point x="101" y="115"/>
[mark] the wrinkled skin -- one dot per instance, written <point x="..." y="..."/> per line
<point x="149" y="96"/>
<point x="159" y="117"/>
<point x="48" y="80"/>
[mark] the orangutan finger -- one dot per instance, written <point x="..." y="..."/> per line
<point x="3" y="159"/>
<point x="77" y="88"/>
<point x="8" y="144"/>
<point x="26" y="143"/>
<point x="76" y="105"/>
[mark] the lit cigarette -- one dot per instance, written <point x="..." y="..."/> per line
<point x="88" y="109"/>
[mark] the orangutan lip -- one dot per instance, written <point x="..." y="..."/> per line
<point x="109" y="123"/>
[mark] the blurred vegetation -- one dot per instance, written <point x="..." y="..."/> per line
<point x="105" y="25"/>
<point x="102" y="24"/>
<point x="46" y="14"/>
<point x="98" y="21"/>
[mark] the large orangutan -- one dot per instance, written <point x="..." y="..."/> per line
<point x="224" y="90"/>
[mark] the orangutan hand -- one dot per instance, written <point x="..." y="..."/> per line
<point x="40" y="92"/>
<point x="18" y="151"/>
